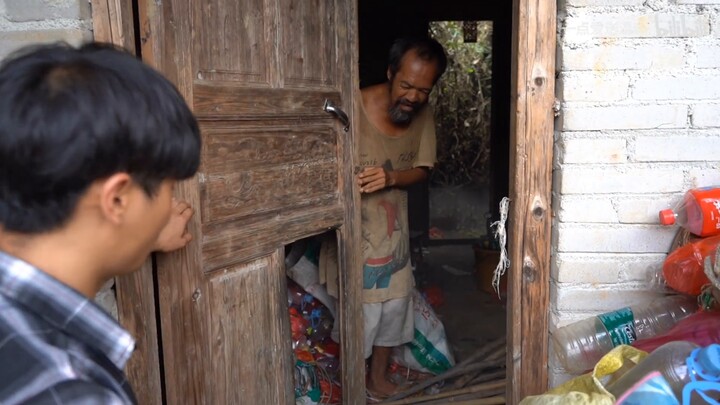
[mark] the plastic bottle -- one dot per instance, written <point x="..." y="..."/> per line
<point x="581" y="344"/>
<point x="685" y="367"/>
<point x="698" y="212"/>
<point x="683" y="269"/>
<point x="701" y="328"/>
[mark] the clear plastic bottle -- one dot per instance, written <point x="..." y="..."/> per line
<point x="581" y="344"/>
<point x="680" y="363"/>
<point x="698" y="212"/>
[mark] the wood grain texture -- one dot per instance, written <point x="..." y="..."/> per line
<point x="234" y="45"/>
<point x="113" y="23"/>
<point x="136" y="313"/>
<point x="350" y="255"/>
<point x="183" y="293"/>
<point x="215" y="101"/>
<point x="249" y="329"/>
<point x="531" y="147"/>
<point x="309" y="41"/>
<point x="231" y="241"/>
<point x="273" y="171"/>
<point x="135" y="292"/>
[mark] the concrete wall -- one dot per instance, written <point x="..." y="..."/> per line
<point x="640" y="90"/>
<point x="25" y="22"/>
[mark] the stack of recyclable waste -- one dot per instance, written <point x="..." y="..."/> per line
<point x="312" y="315"/>
<point x="681" y="331"/>
<point x="316" y="355"/>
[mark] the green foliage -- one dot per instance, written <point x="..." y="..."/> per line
<point x="462" y="106"/>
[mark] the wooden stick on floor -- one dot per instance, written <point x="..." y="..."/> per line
<point x="499" y="400"/>
<point x="468" y="378"/>
<point x="465" y="397"/>
<point x="469" y="390"/>
<point x="488" y="377"/>
<point x="462" y="367"/>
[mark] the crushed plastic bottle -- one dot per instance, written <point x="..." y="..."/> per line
<point x="691" y="372"/>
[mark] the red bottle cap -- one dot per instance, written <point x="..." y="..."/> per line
<point x="667" y="217"/>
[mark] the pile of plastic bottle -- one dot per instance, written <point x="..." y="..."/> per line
<point x="680" y="331"/>
<point x="317" y="356"/>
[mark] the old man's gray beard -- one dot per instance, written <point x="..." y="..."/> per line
<point x="400" y="117"/>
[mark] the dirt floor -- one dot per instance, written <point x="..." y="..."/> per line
<point x="471" y="316"/>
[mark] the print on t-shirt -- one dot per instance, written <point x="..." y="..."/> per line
<point x="385" y="234"/>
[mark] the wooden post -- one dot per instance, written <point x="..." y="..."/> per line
<point x="113" y="23"/>
<point x="531" y="146"/>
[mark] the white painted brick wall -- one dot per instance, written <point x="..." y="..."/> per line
<point x="27" y="22"/>
<point x="706" y="115"/>
<point x="607" y="268"/>
<point x="591" y="150"/>
<point x="642" y="209"/>
<point x="677" y="148"/>
<point x="596" y="238"/>
<point x="650" y="56"/>
<point x="591" y="86"/>
<point x="639" y="85"/>
<point x="587" y="26"/>
<point x="603" y="3"/>
<point x="590" y="179"/>
<point x="629" y="116"/>
<point x="708" y="56"/>
<point x="586" y="209"/>
<point x="694" y="87"/>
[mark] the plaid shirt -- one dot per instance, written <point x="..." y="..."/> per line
<point x="57" y="346"/>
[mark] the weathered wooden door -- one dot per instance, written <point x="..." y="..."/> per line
<point x="275" y="167"/>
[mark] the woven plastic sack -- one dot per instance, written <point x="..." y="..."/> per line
<point x="589" y="389"/>
<point x="429" y="351"/>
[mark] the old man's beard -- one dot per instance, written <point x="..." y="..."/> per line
<point x="401" y="117"/>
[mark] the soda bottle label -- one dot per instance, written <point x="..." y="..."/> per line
<point x="709" y="204"/>
<point x="620" y="325"/>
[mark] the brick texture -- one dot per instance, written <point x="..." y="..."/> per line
<point x="648" y="25"/>
<point x="623" y="117"/>
<point x="581" y="179"/>
<point x="614" y="238"/>
<point x="615" y="57"/>
<point x="592" y="150"/>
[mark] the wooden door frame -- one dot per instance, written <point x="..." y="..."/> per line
<point x="529" y="224"/>
<point x="530" y="217"/>
<point x="113" y="22"/>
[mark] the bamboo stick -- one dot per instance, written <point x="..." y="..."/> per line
<point x="465" y="397"/>
<point x="469" y="390"/>
<point x="499" y="400"/>
<point x="461" y="368"/>
<point x="489" y="376"/>
<point x="468" y="378"/>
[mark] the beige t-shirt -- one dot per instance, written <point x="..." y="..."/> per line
<point x="387" y="273"/>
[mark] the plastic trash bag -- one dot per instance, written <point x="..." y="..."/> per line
<point x="590" y="388"/>
<point x="429" y="350"/>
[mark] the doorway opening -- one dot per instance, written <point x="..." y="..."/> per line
<point x="454" y="250"/>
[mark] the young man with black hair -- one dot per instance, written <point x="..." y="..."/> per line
<point x="91" y="144"/>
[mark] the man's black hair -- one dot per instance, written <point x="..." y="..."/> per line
<point x="426" y="48"/>
<point x="69" y="117"/>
